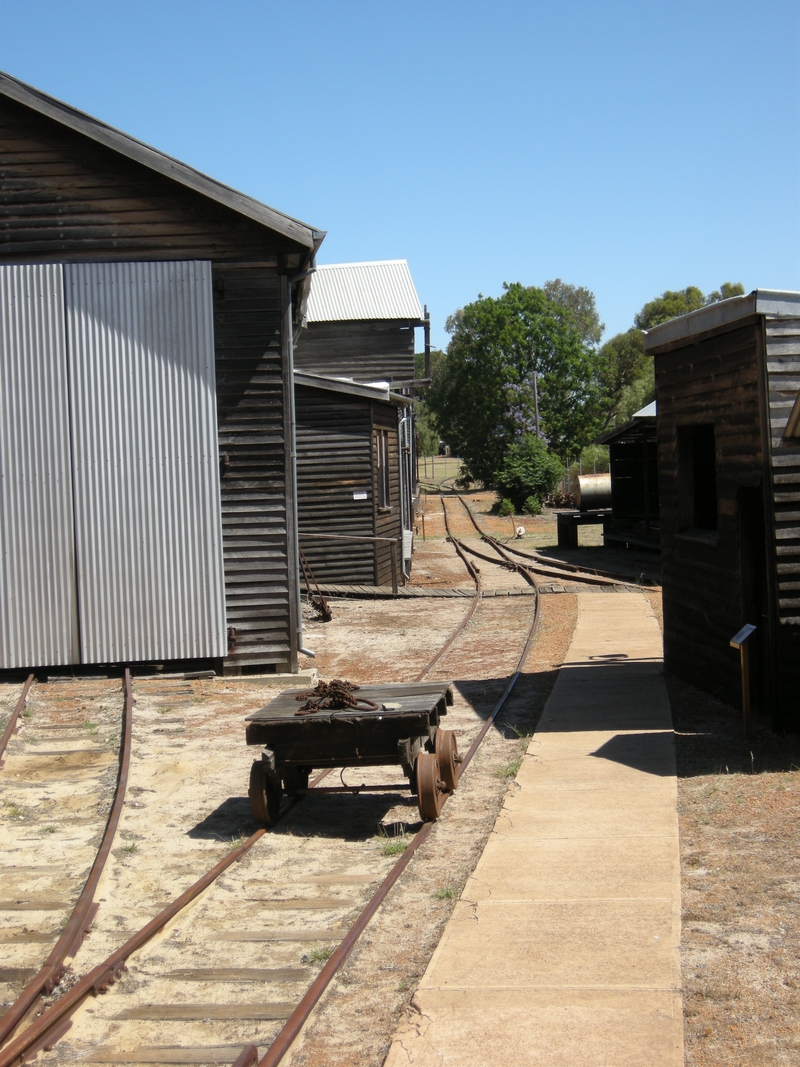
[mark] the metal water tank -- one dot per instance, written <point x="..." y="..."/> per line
<point x="593" y="492"/>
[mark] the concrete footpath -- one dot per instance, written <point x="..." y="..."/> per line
<point x="564" y="948"/>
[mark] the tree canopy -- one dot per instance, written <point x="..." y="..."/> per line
<point x="673" y="303"/>
<point x="483" y="393"/>
<point x="581" y="303"/>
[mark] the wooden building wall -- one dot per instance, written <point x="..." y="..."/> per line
<point x="709" y="381"/>
<point x="66" y="198"/>
<point x="387" y="520"/>
<point x="363" y="351"/>
<point x="334" y="461"/>
<point x="782" y="342"/>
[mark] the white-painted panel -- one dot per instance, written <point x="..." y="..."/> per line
<point x="145" y="461"/>
<point x="38" y="616"/>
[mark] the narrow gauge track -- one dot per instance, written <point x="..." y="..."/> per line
<point x="77" y="925"/>
<point x="56" y="1020"/>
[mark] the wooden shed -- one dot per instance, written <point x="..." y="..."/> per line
<point x="351" y="484"/>
<point x="727" y="385"/>
<point x="153" y="430"/>
<point x="360" y="323"/>
<point x="633" y="466"/>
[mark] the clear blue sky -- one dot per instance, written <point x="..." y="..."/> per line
<point x="628" y="147"/>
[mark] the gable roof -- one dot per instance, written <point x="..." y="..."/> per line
<point x="125" y="145"/>
<point x="379" y="290"/>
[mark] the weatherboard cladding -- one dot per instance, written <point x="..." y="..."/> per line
<point x="250" y="411"/>
<point x="144" y="448"/>
<point x="334" y="484"/>
<point x="363" y="351"/>
<point x="38" y="605"/>
<point x="379" y="290"/>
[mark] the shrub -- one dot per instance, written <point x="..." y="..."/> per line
<point x="505" y="507"/>
<point x="532" y="506"/>
<point x="530" y="471"/>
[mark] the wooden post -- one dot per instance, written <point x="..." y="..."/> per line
<point x="393" y="547"/>
<point x="741" y="641"/>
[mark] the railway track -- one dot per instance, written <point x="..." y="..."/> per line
<point x="181" y="976"/>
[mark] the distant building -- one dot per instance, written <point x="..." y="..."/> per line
<point x="633" y="465"/>
<point x="356" y="433"/>
<point x="727" y="386"/>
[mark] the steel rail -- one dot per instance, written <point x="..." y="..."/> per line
<point x="11" y="725"/>
<point x="294" y="1024"/>
<point x="105" y="974"/>
<point x="51" y="971"/>
<point x="475" y="575"/>
<point x="588" y="576"/>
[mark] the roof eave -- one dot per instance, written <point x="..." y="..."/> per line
<point x="299" y="232"/>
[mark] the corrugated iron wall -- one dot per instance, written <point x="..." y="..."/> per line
<point x="143" y="403"/>
<point x="38" y="610"/>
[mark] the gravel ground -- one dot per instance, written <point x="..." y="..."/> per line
<point x="738" y="808"/>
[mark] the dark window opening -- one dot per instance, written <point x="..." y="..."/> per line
<point x="382" y="445"/>
<point x="697" y="478"/>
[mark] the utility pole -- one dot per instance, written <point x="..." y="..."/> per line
<point x="536" y="400"/>
<point x="426" y="322"/>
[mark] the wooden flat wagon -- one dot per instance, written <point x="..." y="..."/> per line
<point x="383" y="725"/>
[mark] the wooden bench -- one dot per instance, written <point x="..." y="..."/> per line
<point x="567" y="523"/>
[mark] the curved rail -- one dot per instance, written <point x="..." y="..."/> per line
<point x="51" y="971"/>
<point x="54" y="1021"/>
<point x="293" y="1025"/>
<point x="475" y="575"/>
<point x="11" y="725"/>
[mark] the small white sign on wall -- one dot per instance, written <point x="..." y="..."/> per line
<point x="359" y="494"/>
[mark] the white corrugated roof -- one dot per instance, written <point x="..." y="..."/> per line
<point x="379" y="290"/>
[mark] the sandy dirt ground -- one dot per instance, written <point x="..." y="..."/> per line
<point x="739" y="805"/>
<point x="230" y="967"/>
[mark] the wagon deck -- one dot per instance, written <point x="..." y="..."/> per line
<point x="404" y="729"/>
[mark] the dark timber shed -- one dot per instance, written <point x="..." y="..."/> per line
<point x="727" y="385"/>
<point x="147" y="315"/>
<point x="633" y="465"/>
<point x="350" y="479"/>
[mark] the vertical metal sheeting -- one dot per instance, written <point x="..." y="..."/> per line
<point x="38" y="616"/>
<point x="145" y="461"/>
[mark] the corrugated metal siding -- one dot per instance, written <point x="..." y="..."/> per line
<point x="783" y="377"/>
<point x="38" y="609"/>
<point x="333" y="463"/>
<point x="148" y="534"/>
<point x="363" y="351"/>
<point x="378" y="290"/>
<point x="247" y="326"/>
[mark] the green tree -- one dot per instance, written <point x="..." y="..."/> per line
<point x="725" y="292"/>
<point x="483" y="393"/>
<point x="581" y="303"/>
<point x="623" y="366"/>
<point x="529" y="474"/>
<point x="673" y="303"/>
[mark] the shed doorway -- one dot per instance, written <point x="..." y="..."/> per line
<point x="110" y="527"/>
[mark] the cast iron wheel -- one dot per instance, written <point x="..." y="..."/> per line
<point x="265" y="794"/>
<point x="446" y="749"/>
<point x="295" y="778"/>
<point x="430" y="787"/>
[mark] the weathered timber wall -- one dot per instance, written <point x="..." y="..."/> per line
<point x="715" y="380"/>
<point x="783" y="382"/>
<point x="363" y="351"/>
<point x="334" y="462"/>
<point x="387" y="520"/>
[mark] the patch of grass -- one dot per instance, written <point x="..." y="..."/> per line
<point x="47" y="830"/>
<point x="394" y="845"/>
<point x="318" y="955"/>
<point x="13" y="809"/>
<point x="447" y="892"/>
<point x="402" y="986"/>
<point x="236" y="842"/>
<point x="90" y="727"/>
<point x="26" y="713"/>
<point x="130" y="849"/>
<point x="510" y="770"/>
